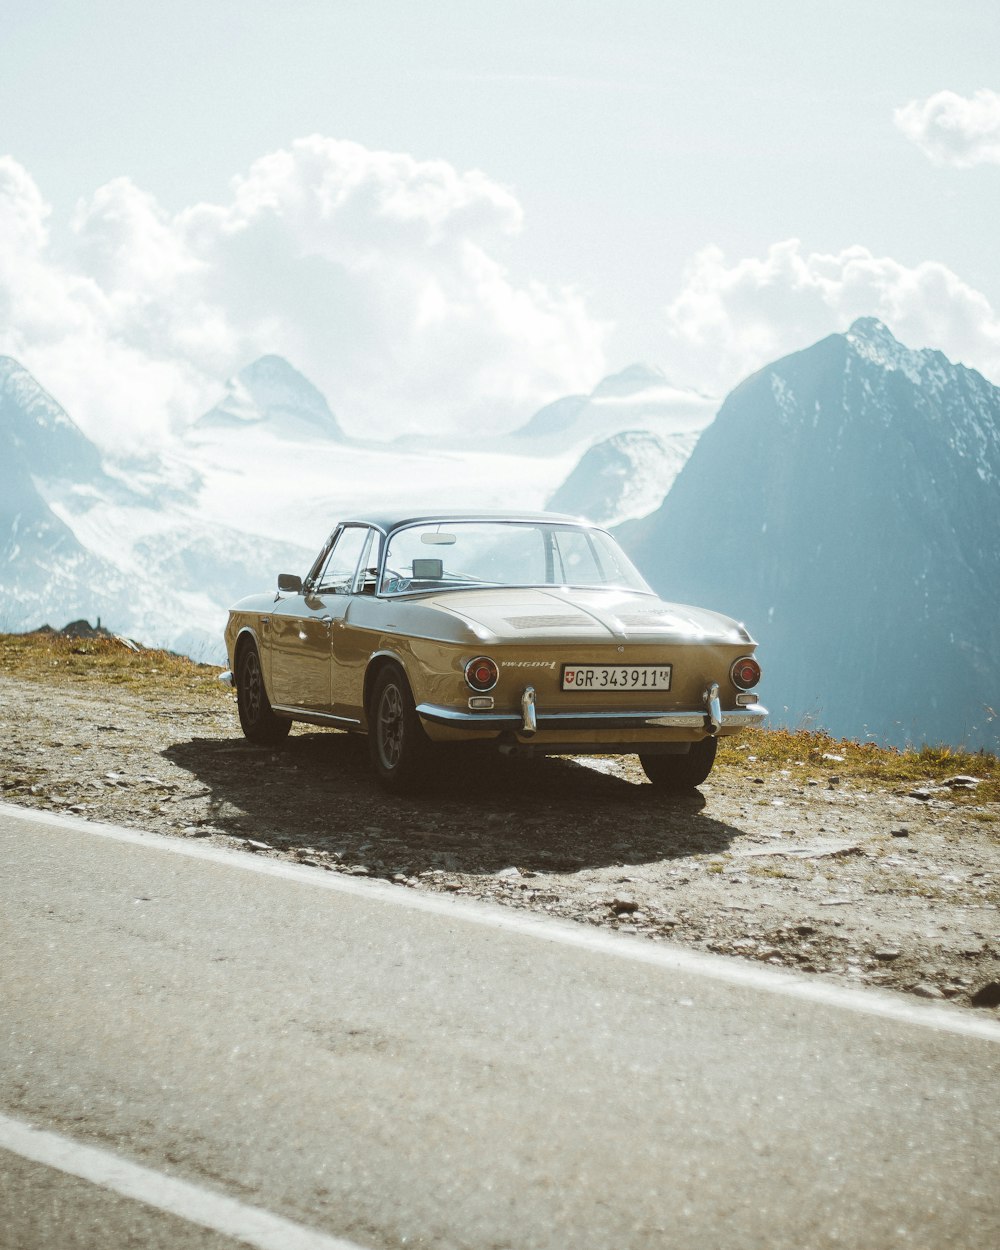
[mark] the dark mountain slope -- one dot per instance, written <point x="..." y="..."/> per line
<point x="846" y="504"/>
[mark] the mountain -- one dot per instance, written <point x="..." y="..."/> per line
<point x="625" y="476"/>
<point x="36" y="432"/>
<point x="160" y="546"/>
<point x="633" y="433"/>
<point x="41" y="559"/>
<point x="124" y="541"/>
<point x="638" y="398"/>
<point x="271" y="393"/>
<point x="845" y="503"/>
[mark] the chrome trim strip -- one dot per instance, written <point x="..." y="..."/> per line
<point x="316" y="718"/>
<point x="487" y="721"/>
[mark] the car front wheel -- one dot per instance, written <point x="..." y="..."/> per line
<point x="400" y="751"/>
<point x="258" y="721"/>
<point x="681" y="772"/>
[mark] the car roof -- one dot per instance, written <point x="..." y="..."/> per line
<point x="396" y="520"/>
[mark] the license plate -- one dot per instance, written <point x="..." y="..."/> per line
<point x="616" y="676"/>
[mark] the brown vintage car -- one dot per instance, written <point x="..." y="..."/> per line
<point x="532" y="633"/>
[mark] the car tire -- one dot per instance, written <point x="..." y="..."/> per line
<point x="681" y="772"/>
<point x="257" y="719"/>
<point x="399" y="750"/>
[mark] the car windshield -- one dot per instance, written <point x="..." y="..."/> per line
<point x="457" y="554"/>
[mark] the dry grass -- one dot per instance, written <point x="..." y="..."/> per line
<point x="806" y="754"/>
<point x="812" y="754"/>
<point x="55" y="660"/>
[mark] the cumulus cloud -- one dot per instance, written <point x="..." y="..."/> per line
<point x="953" y="129"/>
<point x="379" y="276"/>
<point x="730" y="319"/>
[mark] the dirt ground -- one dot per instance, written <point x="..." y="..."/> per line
<point x="874" y="883"/>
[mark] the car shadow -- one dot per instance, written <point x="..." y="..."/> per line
<point x="481" y="813"/>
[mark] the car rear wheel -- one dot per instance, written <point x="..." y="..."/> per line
<point x="258" y="721"/>
<point x="681" y="772"/>
<point x="400" y="751"/>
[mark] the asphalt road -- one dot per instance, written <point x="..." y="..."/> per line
<point x="399" y="1071"/>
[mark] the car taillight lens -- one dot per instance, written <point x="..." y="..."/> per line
<point x="482" y="673"/>
<point x="745" y="673"/>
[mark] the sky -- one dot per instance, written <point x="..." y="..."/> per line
<point x="447" y="215"/>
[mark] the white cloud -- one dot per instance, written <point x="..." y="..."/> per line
<point x="953" y="129"/>
<point x="22" y="210"/>
<point x="379" y="276"/>
<point x="729" y="320"/>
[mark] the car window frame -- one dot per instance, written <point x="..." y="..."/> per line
<point x="547" y="529"/>
<point x="314" y="583"/>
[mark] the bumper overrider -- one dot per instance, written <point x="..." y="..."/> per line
<point x="710" y="718"/>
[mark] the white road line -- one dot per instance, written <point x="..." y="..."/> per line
<point x="730" y="969"/>
<point x="166" y="1193"/>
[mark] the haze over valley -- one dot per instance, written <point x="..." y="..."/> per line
<point x="843" y="503"/>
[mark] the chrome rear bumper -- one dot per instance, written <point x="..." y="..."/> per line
<point x="496" y="722"/>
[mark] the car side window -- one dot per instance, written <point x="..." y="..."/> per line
<point x="576" y="561"/>
<point x="337" y="577"/>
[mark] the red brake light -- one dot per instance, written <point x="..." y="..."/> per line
<point x="482" y="673"/>
<point x="745" y="673"/>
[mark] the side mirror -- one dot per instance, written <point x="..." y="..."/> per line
<point x="289" y="582"/>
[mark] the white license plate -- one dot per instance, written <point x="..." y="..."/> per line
<point x="616" y="676"/>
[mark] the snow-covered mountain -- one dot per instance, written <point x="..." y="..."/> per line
<point x="845" y="503"/>
<point x="40" y="557"/>
<point x="271" y="393"/>
<point x="624" y="477"/>
<point x="160" y="547"/>
<point x="632" y="435"/>
<point x="35" y="430"/>
<point x="282" y="473"/>
<point x="638" y="398"/>
<point x="124" y="541"/>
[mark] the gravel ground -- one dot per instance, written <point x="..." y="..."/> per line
<point x="893" y="888"/>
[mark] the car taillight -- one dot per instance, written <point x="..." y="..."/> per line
<point x="745" y="672"/>
<point x="482" y="673"/>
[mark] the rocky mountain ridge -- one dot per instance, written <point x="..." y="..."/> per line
<point x="845" y="504"/>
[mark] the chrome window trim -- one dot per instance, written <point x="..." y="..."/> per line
<point x="319" y="566"/>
